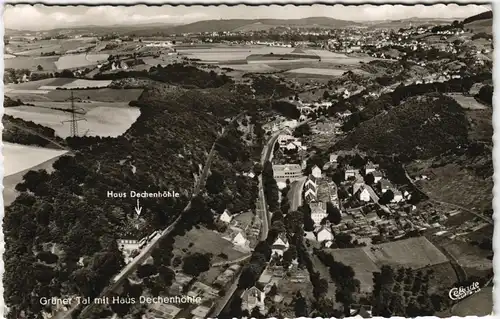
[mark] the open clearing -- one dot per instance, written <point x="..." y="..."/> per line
<point x="18" y="158"/>
<point x="100" y="121"/>
<point x="206" y="241"/>
<point x="331" y="72"/>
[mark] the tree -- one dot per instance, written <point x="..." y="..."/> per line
<point x="215" y="183"/>
<point x="39" y="68"/>
<point x="167" y="275"/>
<point x="326" y="95"/>
<point x="300" y="305"/>
<point x="369" y="179"/>
<point x="303" y="130"/>
<point x="195" y="264"/>
<point x="333" y="212"/>
<point x="386" y="197"/>
<point x="146" y="270"/>
<point x="293" y="221"/>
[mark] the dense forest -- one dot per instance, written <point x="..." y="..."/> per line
<point x="421" y="127"/>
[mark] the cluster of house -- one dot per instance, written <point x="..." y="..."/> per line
<point x="130" y="247"/>
<point x="197" y="290"/>
<point x="289" y="280"/>
<point x="241" y="233"/>
<point x="290" y="143"/>
<point x="318" y="191"/>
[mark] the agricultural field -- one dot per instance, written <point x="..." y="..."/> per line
<point x="36" y="48"/>
<point x="23" y="159"/>
<point x="82" y="84"/>
<point x="252" y="67"/>
<point x="18" y="158"/>
<point x="362" y="265"/>
<point x="414" y="252"/>
<point x="79" y="60"/>
<point x="49" y="87"/>
<point x="101" y="95"/>
<point x="30" y="63"/>
<point x="99" y="121"/>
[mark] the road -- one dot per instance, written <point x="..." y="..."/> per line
<point x="146" y="251"/>
<point x="261" y="209"/>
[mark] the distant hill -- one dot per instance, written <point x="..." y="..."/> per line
<point x="488" y="15"/>
<point x="405" y="23"/>
<point x="258" y="24"/>
<point x="482" y="22"/>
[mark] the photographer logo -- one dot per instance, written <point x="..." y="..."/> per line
<point x="459" y="293"/>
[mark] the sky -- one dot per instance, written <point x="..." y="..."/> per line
<point x="38" y="17"/>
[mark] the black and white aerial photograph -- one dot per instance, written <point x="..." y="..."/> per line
<point x="247" y="161"/>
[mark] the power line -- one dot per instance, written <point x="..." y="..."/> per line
<point x="74" y="119"/>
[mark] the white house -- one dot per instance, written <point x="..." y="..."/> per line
<point x="316" y="171"/>
<point x="333" y="158"/>
<point x="310" y="182"/>
<point x="226" y="217"/>
<point x="238" y="239"/>
<point x="280" y="245"/>
<point x="364" y="195"/>
<point x="284" y="139"/>
<point x="398" y="197"/>
<point x="252" y="298"/>
<point x="318" y="212"/>
<point x="324" y="235"/>
<point x="370" y="168"/>
<point x="377" y="176"/>
<point x="350" y="172"/>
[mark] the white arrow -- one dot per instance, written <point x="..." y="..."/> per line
<point x="138" y="208"/>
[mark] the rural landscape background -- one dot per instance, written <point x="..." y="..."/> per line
<point x="295" y="161"/>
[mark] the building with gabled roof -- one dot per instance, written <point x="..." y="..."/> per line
<point x="280" y="245"/>
<point x="226" y="217"/>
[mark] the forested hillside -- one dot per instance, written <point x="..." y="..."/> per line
<point x="65" y="218"/>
